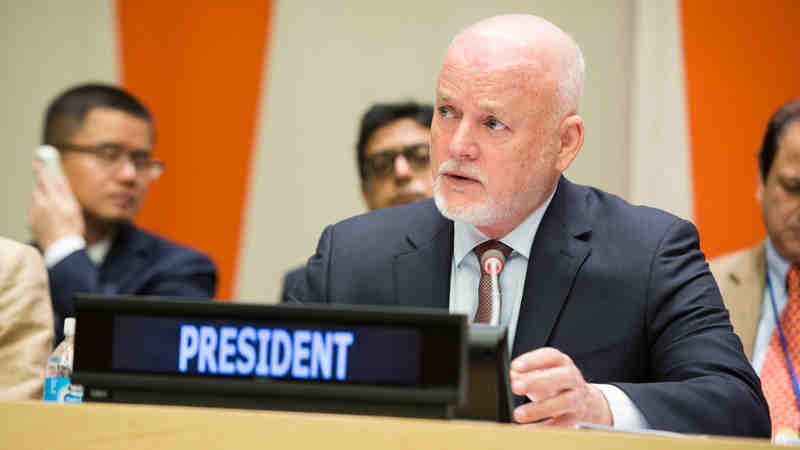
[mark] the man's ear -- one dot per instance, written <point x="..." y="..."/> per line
<point x="365" y="194"/>
<point x="571" y="132"/>
<point x="760" y="188"/>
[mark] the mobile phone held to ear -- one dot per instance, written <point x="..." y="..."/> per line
<point x="51" y="160"/>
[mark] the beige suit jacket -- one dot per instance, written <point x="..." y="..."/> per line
<point x="741" y="278"/>
<point x="26" y="321"/>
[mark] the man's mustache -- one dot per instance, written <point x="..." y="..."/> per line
<point x="460" y="167"/>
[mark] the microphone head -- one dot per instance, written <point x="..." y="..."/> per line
<point x="490" y="256"/>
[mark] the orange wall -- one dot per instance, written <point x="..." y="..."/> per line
<point x="741" y="65"/>
<point x="199" y="68"/>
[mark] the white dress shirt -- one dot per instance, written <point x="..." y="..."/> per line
<point x="777" y="268"/>
<point x="68" y="245"/>
<point x="465" y="276"/>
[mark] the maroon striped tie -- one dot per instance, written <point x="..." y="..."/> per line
<point x="484" y="313"/>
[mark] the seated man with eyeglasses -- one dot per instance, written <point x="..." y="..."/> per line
<point x="82" y="222"/>
<point x="392" y="155"/>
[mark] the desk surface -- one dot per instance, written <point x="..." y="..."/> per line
<point x="38" y="425"/>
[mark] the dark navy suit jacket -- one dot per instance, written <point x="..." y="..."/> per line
<point x="292" y="278"/>
<point x="138" y="263"/>
<point x="623" y="290"/>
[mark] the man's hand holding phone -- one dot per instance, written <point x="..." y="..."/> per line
<point x="55" y="212"/>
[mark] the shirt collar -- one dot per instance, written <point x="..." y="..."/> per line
<point x="98" y="251"/>
<point x="520" y="239"/>
<point x="776" y="265"/>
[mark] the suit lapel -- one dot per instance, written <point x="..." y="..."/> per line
<point x="422" y="270"/>
<point x="558" y="252"/>
<point x="126" y="260"/>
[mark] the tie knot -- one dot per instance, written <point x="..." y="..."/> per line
<point x="793" y="282"/>
<point x="488" y="246"/>
<point x="494" y="244"/>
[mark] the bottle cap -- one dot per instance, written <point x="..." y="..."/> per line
<point x="69" y="326"/>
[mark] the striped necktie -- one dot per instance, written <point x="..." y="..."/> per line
<point x="486" y="284"/>
<point x="776" y="381"/>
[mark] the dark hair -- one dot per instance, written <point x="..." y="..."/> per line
<point x="67" y="112"/>
<point x="777" y="125"/>
<point x="381" y="114"/>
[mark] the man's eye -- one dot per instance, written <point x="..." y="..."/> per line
<point x="109" y="151"/>
<point x="381" y="161"/>
<point x="792" y="186"/>
<point x="495" y="124"/>
<point x="140" y="158"/>
<point x="445" y="111"/>
<point x="419" y="153"/>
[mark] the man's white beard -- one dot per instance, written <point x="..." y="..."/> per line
<point x="480" y="214"/>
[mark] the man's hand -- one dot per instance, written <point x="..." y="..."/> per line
<point x="54" y="213"/>
<point x="558" y="393"/>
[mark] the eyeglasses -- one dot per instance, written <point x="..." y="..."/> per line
<point x="113" y="156"/>
<point x="381" y="164"/>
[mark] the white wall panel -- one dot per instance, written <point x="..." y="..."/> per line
<point x="47" y="46"/>
<point x="660" y="159"/>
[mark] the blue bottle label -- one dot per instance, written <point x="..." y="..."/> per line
<point x="55" y="389"/>
<point x="74" y="394"/>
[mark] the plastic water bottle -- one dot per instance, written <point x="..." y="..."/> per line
<point x="58" y="372"/>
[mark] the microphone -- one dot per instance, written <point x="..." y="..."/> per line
<point x="492" y="263"/>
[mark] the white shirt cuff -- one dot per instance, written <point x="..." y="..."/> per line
<point x="62" y="248"/>
<point x="625" y="414"/>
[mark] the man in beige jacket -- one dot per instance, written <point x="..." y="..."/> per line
<point x="741" y="279"/>
<point x="26" y="321"/>
<point x="742" y="276"/>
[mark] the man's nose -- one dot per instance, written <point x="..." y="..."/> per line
<point x="462" y="143"/>
<point x="402" y="168"/>
<point x="127" y="169"/>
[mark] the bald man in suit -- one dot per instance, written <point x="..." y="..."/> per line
<point x="26" y="321"/>
<point x="613" y="316"/>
